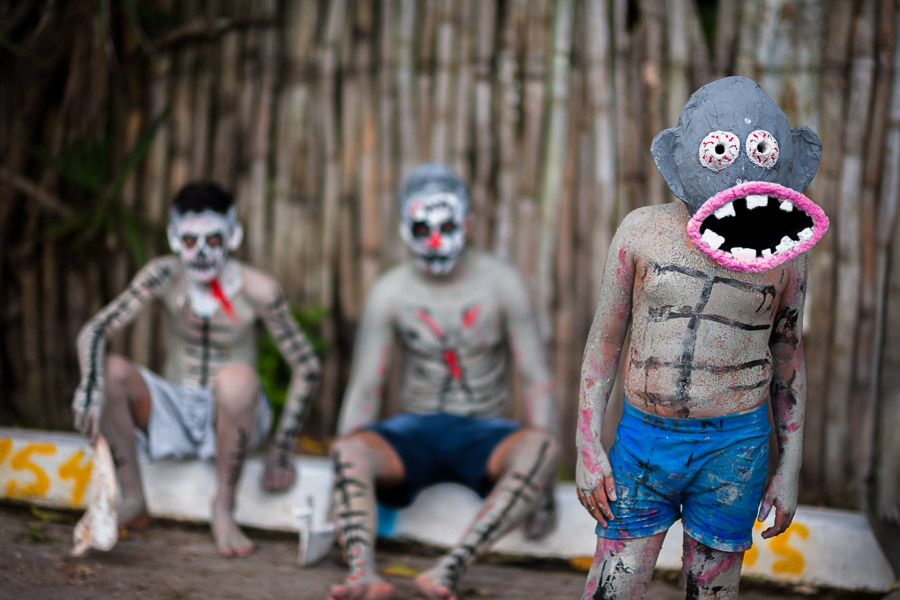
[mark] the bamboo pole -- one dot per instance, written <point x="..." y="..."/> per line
<point x="370" y="226"/>
<point x="603" y="133"/>
<point x="884" y="368"/>
<point x="863" y="396"/>
<point x="506" y="113"/>
<point x="746" y="60"/>
<point x="440" y="101"/>
<point x="654" y="73"/>
<point x="554" y="157"/>
<point x="700" y="63"/>
<point x="183" y="116"/>
<point x="329" y="59"/>
<point x="203" y="100"/>
<point x="461" y="146"/>
<point x="257" y="191"/>
<point x="822" y="261"/>
<point x="388" y="148"/>
<point x="848" y="276"/>
<point x="485" y="139"/>
<point x="678" y="46"/>
<point x="226" y="133"/>
<point x="427" y="18"/>
<point x="627" y="133"/>
<point x="293" y="98"/>
<point x="728" y="14"/>
<point x="405" y="73"/>
<point x="525" y="213"/>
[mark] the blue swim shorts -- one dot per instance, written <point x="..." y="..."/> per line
<point x="710" y="472"/>
<point x="441" y="447"/>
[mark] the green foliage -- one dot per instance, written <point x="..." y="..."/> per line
<point x="274" y="372"/>
<point x="89" y="166"/>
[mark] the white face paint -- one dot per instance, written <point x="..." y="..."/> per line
<point x="433" y="226"/>
<point x="203" y="241"/>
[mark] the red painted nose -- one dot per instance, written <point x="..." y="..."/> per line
<point x="435" y="240"/>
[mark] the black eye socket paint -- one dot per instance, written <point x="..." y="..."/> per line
<point x="448" y="227"/>
<point x="420" y="229"/>
<point x="189" y="241"/>
<point x="214" y="240"/>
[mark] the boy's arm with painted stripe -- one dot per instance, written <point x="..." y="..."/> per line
<point x="788" y="392"/>
<point x="150" y="283"/>
<point x="593" y="474"/>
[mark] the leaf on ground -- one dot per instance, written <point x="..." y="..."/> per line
<point x="52" y="516"/>
<point x="312" y="446"/>
<point x="400" y="570"/>
<point x="581" y="563"/>
<point x="78" y="573"/>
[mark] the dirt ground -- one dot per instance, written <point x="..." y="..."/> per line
<point x="172" y="561"/>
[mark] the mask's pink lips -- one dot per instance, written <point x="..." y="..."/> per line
<point x="756" y="226"/>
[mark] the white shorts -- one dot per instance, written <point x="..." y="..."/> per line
<point x="182" y="420"/>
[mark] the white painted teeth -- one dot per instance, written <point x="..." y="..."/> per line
<point x="786" y="244"/>
<point x="726" y="210"/>
<point x="744" y="254"/>
<point x="806" y="234"/>
<point x="767" y="253"/>
<point x="786" y="206"/>
<point x="712" y="239"/>
<point x="756" y="200"/>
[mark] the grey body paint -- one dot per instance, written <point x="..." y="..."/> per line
<point x="458" y="315"/>
<point x="706" y="340"/>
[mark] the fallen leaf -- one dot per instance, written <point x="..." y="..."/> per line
<point x="400" y="570"/>
<point x="581" y="563"/>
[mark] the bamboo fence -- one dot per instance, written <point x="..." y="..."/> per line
<point x="312" y="111"/>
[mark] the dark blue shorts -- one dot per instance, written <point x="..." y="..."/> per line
<point x="441" y="447"/>
<point x="709" y="472"/>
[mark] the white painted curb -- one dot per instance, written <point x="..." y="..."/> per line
<point x="823" y="547"/>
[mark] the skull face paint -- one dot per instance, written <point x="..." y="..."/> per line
<point x="740" y="169"/>
<point x="434" y="228"/>
<point x="203" y="241"/>
<point x="434" y="206"/>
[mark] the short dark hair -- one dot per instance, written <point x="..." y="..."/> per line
<point x="199" y="196"/>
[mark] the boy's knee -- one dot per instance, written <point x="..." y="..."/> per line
<point x="119" y="370"/>
<point x="236" y="387"/>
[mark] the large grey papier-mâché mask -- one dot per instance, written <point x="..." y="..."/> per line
<point x="740" y="169"/>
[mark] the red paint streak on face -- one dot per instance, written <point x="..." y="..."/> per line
<point x="453" y="362"/>
<point x="470" y="316"/>
<point x="426" y="318"/>
<point x="434" y="242"/>
<point x="219" y="294"/>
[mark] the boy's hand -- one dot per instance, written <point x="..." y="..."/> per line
<point x="782" y="494"/>
<point x="595" y="485"/>
<point x="279" y="474"/>
<point x="87" y="419"/>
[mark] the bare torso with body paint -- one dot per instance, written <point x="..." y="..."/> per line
<point x="700" y="332"/>
<point x="456" y="333"/>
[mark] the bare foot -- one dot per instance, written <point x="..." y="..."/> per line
<point x="230" y="541"/>
<point x="431" y="586"/>
<point x="371" y="588"/>
<point x="133" y="515"/>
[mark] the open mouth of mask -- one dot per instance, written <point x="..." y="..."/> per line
<point x="756" y="226"/>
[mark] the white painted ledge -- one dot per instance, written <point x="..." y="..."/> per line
<point x="823" y="547"/>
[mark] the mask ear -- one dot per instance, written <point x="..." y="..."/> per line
<point x="174" y="240"/>
<point x="807" y="152"/>
<point x="663" y="151"/>
<point x="237" y="236"/>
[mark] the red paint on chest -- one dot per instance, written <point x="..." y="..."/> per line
<point x="219" y="294"/>
<point x="452" y="361"/>
<point x="432" y="325"/>
<point x="470" y="316"/>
